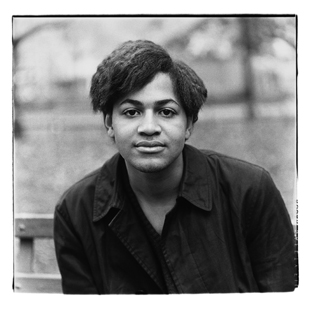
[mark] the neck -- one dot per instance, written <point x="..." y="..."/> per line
<point x="157" y="186"/>
<point x="157" y="191"/>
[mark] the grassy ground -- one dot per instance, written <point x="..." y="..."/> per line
<point x="48" y="161"/>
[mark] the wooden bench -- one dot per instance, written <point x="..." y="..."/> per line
<point x="27" y="228"/>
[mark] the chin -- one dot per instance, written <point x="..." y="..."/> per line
<point x="150" y="167"/>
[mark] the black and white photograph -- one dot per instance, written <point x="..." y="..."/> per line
<point x="155" y="154"/>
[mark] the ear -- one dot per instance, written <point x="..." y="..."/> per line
<point x="189" y="128"/>
<point x="108" y="125"/>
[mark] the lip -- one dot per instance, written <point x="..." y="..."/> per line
<point x="146" y="143"/>
<point x="150" y="146"/>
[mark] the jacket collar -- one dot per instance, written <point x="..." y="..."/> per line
<point x="196" y="185"/>
<point x="107" y="188"/>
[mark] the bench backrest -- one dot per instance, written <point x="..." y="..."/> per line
<point x="28" y="228"/>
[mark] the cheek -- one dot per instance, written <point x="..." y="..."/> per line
<point x="179" y="130"/>
<point x="120" y="130"/>
<point x="122" y="135"/>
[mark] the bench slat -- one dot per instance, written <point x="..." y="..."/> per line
<point x="37" y="283"/>
<point x="34" y="226"/>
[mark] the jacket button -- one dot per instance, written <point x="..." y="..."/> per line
<point x="141" y="292"/>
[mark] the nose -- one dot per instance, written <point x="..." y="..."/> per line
<point x="149" y="125"/>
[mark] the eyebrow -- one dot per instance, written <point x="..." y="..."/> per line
<point x="158" y="102"/>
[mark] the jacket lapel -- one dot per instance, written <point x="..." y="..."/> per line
<point x="133" y="237"/>
<point x="122" y="221"/>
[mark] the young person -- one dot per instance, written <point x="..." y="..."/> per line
<point x="161" y="216"/>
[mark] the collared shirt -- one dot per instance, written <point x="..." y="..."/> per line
<point x="230" y="232"/>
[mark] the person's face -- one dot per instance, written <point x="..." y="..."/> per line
<point x="150" y="126"/>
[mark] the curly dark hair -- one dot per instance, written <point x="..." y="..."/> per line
<point x="132" y="66"/>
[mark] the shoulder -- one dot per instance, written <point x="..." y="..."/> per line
<point x="247" y="185"/>
<point x="228" y="166"/>
<point x="239" y="177"/>
<point x="232" y="165"/>
<point x="82" y="187"/>
<point x="236" y="177"/>
<point x="82" y="193"/>
<point x="242" y="173"/>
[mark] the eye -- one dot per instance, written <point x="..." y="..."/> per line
<point x="167" y="113"/>
<point x="131" y="112"/>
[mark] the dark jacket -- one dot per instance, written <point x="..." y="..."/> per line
<point x="231" y="234"/>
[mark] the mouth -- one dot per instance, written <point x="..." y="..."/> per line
<point x="150" y="146"/>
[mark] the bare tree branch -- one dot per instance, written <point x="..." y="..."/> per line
<point x="35" y="30"/>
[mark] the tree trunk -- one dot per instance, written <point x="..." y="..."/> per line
<point x="246" y="31"/>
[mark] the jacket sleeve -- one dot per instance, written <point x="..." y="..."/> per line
<point x="71" y="258"/>
<point x="270" y="239"/>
